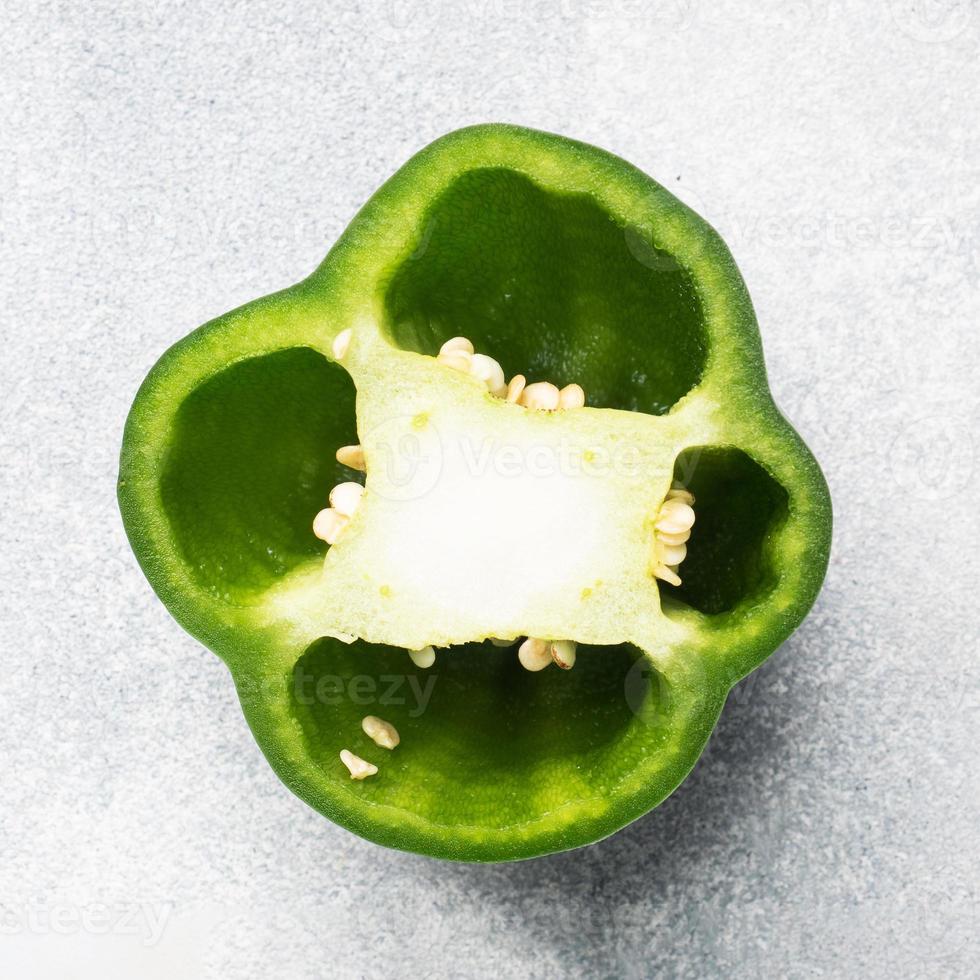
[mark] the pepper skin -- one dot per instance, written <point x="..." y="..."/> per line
<point x="564" y="263"/>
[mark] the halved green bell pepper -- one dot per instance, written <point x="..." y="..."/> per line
<point x="565" y="263"/>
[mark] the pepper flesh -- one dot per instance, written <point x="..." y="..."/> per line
<point x="562" y="262"/>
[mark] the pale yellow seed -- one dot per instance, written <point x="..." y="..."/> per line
<point x="345" y="497"/>
<point x="498" y="642"/>
<point x="352" y="456"/>
<point x="423" y="658"/>
<point x="563" y="653"/>
<point x="542" y="395"/>
<point x="679" y="493"/>
<point x="571" y="396"/>
<point x="667" y="574"/>
<point x="672" y="505"/>
<point x="485" y="368"/>
<point x="356" y="766"/>
<point x="457" y="343"/>
<point x="675" y="517"/>
<point x="671" y="525"/>
<point x="329" y="524"/>
<point x="674" y="554"/>
<point x="458" y="360"/>
<point x="681" y="537"/>
<point x="340" y="344"/>
<point x="534" y="654"/>
<point x="515" y="388"/>
<point x="381" y="732"/>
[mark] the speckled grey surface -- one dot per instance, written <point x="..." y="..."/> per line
<point x="161" y="163"/>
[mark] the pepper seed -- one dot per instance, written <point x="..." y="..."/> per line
<point x="675" y="516"/>
<point x="571" y="396"/>
<point x="345" y="497"/>
<point x="674" y="539"/>
<point x="381" y="732"/>
<point x="542" y="395"/>
<point x="457" y="343"/>
<point x="563" y="653"/>
<point x="352" y="456"/>
<point x="515" y="388"/>
<point x="458" y="360"/>
<point x="680" y="493"/>
<point x="488" y="371"/>
<point x="356" y="766"/>
<point x="329" y="524"/>
<point x="423" y="658"/>
<point x="340" y="344"/>
<point x="534" y="654"/>
<point x="673" y="554"/>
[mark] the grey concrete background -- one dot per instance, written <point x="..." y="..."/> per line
<point x="161" y="163"/>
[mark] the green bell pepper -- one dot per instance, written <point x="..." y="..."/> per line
<point x="482" y="519"/>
